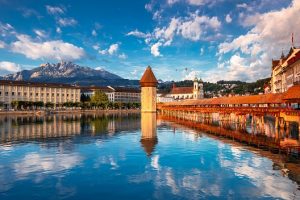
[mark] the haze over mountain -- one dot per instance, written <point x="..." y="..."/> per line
<point x="71" y="73"/>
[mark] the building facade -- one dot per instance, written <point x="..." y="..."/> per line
<point x="195" y="92"/>
<point x="37" y="92"/>
<point x="286" y="71"/>
<point x="115" y="94"/>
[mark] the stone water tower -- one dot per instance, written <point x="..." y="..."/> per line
<point x="148" y="96"/>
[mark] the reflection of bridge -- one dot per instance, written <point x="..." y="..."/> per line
<point x="236" y="110"/>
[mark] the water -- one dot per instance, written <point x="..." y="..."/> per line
<point x="107" y="157"/>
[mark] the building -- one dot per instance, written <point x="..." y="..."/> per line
<point x="195" y="92"/>
<point x="37" y="92"/>
<point x="115" y="94"/>
<point x="286" y="71"/>
<point x="163" y="98"/>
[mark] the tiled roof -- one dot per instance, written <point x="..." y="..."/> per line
<point x="253" y="99"/>
<point x="148" y="79"/>
<point x="182" y="90"/>
<point x="293" y="93"/>
<point x="36" y="84"/>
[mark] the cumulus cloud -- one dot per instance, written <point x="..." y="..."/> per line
<point x="228" y="18"/>
<point x="155" y="49"/>
<point x="54" y="10"/>
<point x="58" y="30"/>
<point x="9" y="66"/>
<point x="112" y="49"/>
<point x="269" y="33"/>
<point x="53" y="50"/>
<point x="67" y="22"/>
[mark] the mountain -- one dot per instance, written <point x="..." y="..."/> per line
<point x="71" y="73"/>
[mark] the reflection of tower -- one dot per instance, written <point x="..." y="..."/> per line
<point x="149" y="137"/>
<point x="148" y="96"/>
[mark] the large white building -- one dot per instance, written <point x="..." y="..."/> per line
<point x="115" y="94"/>
<point x="286" y="71"/>
<point x="37" y="92"/>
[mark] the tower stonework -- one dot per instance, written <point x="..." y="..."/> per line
<point x="148" y="96"/>
<point x="198" y="92"/>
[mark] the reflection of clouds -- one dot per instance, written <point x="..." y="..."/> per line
<point x="154" y="162"/>
<point x="106" y="160"/>
<point x="259" y="171"/>
<point x="34" y="162"/>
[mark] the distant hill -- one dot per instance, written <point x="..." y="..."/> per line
<point x="221" y="88"/>
<point x="70" y="73"/>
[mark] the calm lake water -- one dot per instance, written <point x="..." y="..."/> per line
<point x="112" y="157"/>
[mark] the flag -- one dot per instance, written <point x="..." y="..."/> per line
<point x="292" y="39"/>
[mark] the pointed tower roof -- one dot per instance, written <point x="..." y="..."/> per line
<point x="148" y="79"/>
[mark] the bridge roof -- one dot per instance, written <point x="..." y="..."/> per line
<point x="253" y="99"/>
<point x="293" y="93"/>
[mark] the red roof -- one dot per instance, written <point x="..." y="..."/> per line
<point x="293" y="93"/>
<point x="148" y="79"/>
<point x="182" y="90"/>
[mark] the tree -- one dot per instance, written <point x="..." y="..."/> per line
<point x="85" y="98"/>
<point x="49" y="105"/>
<point x="99" y="97"/>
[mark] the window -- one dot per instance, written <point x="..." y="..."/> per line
<point x="63" y="95"/>
<point x="6" y="93"/>
<point x="47" y="94"/>
<point x="25" y="94"/>
<point x="19" y="93"/>
<point x="36" y="94"/>
<point x="52" y="94"/>
<point x="13" y="94"/>
<point x="42" y="94"/>
<point x="31" y="94"/>
<point x="67" y="95"/>
<point x="57" y="94"/>
<point x="0" y="93"/>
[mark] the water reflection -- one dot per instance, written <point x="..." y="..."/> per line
<point x="149" y="136"/>
<point x="103" y="157"/>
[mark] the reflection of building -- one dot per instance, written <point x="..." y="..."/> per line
<point x="195" y="92"/>
<point x="115" y="94"/>
<point x="149" y="137"/>
<point x="286" y="71"/>
<point x="29" y="128"/>
<point x="34" y="92"/>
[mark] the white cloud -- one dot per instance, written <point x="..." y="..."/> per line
<point x="155" y="49"/>
<point x="94" y="33"/>
<point x="6" y="30"/>
<point x="9" y="66"/>
<point x="2" y="44"/>
<point x="58" y="30"/>
<point x="269" y="33"/>
<point x="138" y="34"/>
<point x="192" y="74"/>
<point x="67" y="22"/>
<point x="96" y="47"/>
<point x="123" y="56"/>
<point x="228" y="18"/>
<point x="54" y="10"/>
<point x="171" y="2"/>
<point x="242" y="5"/>
<point x="55" y="49"/>
<point x="40" y="33"/>
<point x="113" y="49"/>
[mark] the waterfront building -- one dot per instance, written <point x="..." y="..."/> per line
<point x="148" y="96"/>
<point x="286" y="71"/>
<point x="163" y="98"/>
<point x="55" y="93"/>
<point x="115" y="94"/>
<point x="195" y="92"/>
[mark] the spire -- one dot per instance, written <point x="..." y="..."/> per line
<point x="282" y="55"/>
<point x="148" y="79"/>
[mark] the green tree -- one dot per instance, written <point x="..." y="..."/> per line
<point x="99" y="97"/>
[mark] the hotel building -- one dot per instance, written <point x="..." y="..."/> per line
<point x="115" y="94"/>
<point x="37" y="92"/>
<point x="286" y="71"/>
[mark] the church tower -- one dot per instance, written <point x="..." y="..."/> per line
<point x="198" y="89"/>
<point x="148" y="96"/>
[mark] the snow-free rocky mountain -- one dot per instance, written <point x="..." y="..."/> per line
<point x="68" y="72"/>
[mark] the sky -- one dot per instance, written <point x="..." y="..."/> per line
<point x="180" y="39"/>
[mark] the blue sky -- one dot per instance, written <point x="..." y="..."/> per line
<point x="180" y="39"/>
